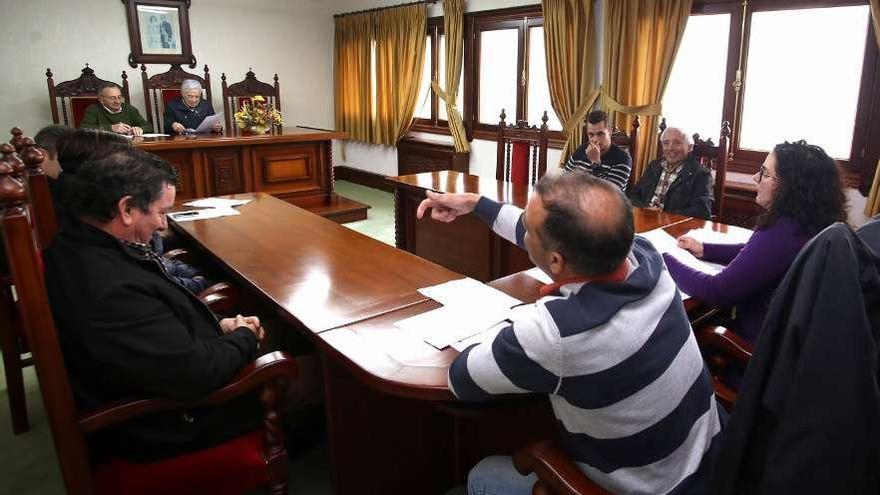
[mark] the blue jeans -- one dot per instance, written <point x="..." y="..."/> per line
<point x="495" y="475"/>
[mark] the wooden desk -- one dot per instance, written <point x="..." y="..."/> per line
<point x="467" y="245"/>
<point x="294" y="164"/>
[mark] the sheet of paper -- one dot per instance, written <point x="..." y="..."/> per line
<point x="445" y="325"/>
<point x="661" y="240"/>
<point x="735" y="236"/>
<point x="153" y="134"/>
<point x="186" y="216"/>
<point x="484" y="336"/>
<point x="209" y="122"/>
<point x="217" y="203"/>
<point x="470" y="293"/>
<point x="539" y="275"/>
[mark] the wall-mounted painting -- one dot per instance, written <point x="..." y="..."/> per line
<point x="159" y="32"/>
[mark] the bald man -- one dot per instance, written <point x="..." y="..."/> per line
<point x="676" y="182"/>
<point x="609" y="342"/>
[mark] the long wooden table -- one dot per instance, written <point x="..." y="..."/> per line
<point x="466" y="245"/>
<point x="293" y="163"/>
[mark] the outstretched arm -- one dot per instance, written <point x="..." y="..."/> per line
<point x="447" y="207"/>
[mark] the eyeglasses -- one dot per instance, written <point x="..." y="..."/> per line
<point x="763" y="172"/>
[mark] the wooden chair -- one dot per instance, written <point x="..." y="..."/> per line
<point x="161" y="89"/>
<point x="522" y="151"/>
<point x="235" y="95"/>
<point x="252" y="459"/>
<point x="715" y="159"/>
<point x="76" y="95"/>
<point x="723" y="350"/>
<point x="557" y="473"/>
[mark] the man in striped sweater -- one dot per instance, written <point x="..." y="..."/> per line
<point x="608" y="341"/>
<point x="599" y="156"/>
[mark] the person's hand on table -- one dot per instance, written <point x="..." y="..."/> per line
<point x="178" y="128"/>
<point x="137" y="131"/>
<point x="121" y="128"/>
<point x="447" y="207"/>
<point x="690" y="244"/>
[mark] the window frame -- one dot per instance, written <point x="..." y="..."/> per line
<point x="434" y="124"/>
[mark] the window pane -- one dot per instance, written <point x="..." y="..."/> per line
<point x="498" y="77"/>
<point x="459" y="99"/>
<point x="694" y="96"/>
<point x="803" y="74"/>
<point x="423" y="108"/>
<point x="539" y="92"/>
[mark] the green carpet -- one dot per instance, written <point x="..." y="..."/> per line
<point x="27" y="462"/>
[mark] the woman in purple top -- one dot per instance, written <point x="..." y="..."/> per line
<point x="800" y="189"/>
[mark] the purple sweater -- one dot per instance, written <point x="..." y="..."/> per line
<point x="753" y="272"/>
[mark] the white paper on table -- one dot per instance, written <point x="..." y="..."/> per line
<point x="484" y="336"/>
<point x="208" y="124"/>
<point x="539" y="275"/>
<point x="469" y="293"/>
<point x="217" y="203"/>
<point x="686" y="258"/>
<point x="445" y="325"/>
<point x="735" y="236"/>
<point x="661" y="240"/>
<point x="153" y="134"/>
<point x="186" y="216"/>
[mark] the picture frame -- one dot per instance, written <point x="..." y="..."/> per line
<point x="158" y="31"/>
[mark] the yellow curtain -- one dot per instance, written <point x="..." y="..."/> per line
<point x="569" y="49"/>
<point x="875" y="13"/>
<point x="400" y="53"/>
<point x="453" y="23"/>
<point x="872" y="206"/>
<point x="353" y="102"/>
<point x="641" y="39"/>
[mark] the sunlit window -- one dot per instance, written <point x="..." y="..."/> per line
<point x="423" y="108"/>
<point x="539" y="93"/>
<point x="498" y="75"/>
<point x="459" y="100"/>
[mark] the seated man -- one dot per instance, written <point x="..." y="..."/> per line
<point x="608" y="341"/>
<point x="47" y="140"/>
<point x="111" y="113"/>
<point x="676" y="183"/>
<point x="600" y="157"/>
<point x="188" y="111"/>
<point x="126" y="329"/>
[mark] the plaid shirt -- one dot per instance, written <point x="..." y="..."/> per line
<point x="667" y="177"/>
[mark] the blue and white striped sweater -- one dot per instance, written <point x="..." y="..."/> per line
<point x="627" y="383"/>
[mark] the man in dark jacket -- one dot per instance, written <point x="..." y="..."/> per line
<point x="676" y="182"/>
<point x="126" y="328"/>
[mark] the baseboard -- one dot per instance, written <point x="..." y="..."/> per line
<point x="362" y="177"/>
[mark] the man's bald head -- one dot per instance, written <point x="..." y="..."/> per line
<point x="589" y="221"/>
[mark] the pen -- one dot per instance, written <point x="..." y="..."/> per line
<point x="185" y="214"/>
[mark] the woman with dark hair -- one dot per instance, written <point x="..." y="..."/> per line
<point x="801" y="191"/>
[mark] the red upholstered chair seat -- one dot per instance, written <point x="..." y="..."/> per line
<point x="78" y="105"/>
<point x="231" y="468"/>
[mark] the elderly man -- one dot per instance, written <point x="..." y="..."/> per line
<point x="599" y="156"/>
<point x="188" y="111"/>
<point x="608" y="341"/>
<point x="126" y="328"/>
<point x="111" y="113"/>
<point x="676" y="183"/>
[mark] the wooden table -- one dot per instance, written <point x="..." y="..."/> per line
<point x="293" y="163"/>
<point x="467" y="245"/>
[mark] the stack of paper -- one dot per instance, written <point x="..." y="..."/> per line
<point x="217" y="203"/>
<point x="469" y="308"/>
<point x="735" y="236"/>
<point x="212" y="208"/>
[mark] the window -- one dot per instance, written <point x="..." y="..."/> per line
<point x="507" y="70"/>
<point x="423" y="108"/>
<point x="430" y="113"/>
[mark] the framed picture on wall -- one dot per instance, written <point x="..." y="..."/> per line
<point x="158" y="31"/>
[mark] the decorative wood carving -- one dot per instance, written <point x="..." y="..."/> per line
<point x="225" y="168"/>
<point x="246" y="89"/>
<point x="86" y="85"/>
<point x="536" y="139"/>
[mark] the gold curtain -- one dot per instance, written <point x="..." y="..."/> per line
<point x="400" y="53"/>
<point x="353" y="97"/>
<point x="872" y="206"/>
<point x="569" y="49"/>
<point x="453" y="23"/>
<point x="875" y="14"/>
<point x="641" y="39"/>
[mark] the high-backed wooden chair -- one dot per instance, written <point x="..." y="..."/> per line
<point x="76" y="95"/>
<point x="522" y="151"/>
<point x="161" y="89"/>
<point x="715" y="159"/>
<point x="236" y="94"/>
<point x="232" y="467"/>
<point x="723" y="350"/>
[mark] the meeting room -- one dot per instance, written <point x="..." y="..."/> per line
<point x="440" y="247"/>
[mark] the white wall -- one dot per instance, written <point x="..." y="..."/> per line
<point x="291" y="37"/>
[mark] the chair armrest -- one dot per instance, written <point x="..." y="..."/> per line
<point x="264" y="370"/>
<point x="222" y="297"/>
<point x="180" y="254"/>
<point x="555" y="470"/>
<point x="726" y="341"/>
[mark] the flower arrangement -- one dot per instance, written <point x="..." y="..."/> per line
<point x="258" y="115"/>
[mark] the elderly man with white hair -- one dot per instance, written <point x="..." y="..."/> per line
<point x="675" y="182"/>
<point x="188" y="111"/>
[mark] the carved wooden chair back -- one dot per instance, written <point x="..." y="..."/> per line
<point x="236" y="94"/>
<point x="715" y="158"/>
<point x="522" y="151"/>
<point x="74" y="96"/>
<point x="161" y="89"/>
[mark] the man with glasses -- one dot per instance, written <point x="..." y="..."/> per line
<point x="111" y="113"/>
<point x="675" y="182"/>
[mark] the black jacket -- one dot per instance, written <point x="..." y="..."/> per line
<point x="807" y="419"/>
<point x="870" y="233"/>
<point x="690" y="194"/>
<point x="177" y="111"/>
<point x="127" y="330"/>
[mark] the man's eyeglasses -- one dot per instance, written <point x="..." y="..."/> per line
<point x="763" y="172"/>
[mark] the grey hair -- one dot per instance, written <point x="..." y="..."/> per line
<point x="687" y="137"/>
<point x="190" y="84"/>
